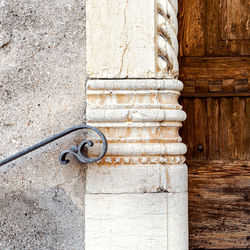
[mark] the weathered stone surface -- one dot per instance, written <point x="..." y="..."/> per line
<point x="126" y="30"/>
<point x="132" y="39"/>
<point x="42" y="82"/>
<point x="143" y="168"/>
<point x="144" y="162"/>
<point x="136" y="221"/>
<point x="42" y="71"/>
<point x="40" y="220"/>
<point x="177" y="221"/>
<point x="167" y="43"/>
<point x="126" y="221"/>
<point x="136" y="179"/>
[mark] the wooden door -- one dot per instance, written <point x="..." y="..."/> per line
<point x="214" y="37"/>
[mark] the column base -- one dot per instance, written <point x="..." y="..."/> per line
<point x="136" y="207"/>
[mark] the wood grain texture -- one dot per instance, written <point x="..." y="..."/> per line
<point x="215" y="94"/>
<point x="219" y="211"/>
<point x="214" y="61"/>
<point x="192" y="28"/>
<point x="212" y="76"/>
<point x="214" y="68"/>
<point x="220" y="125"/>
<point x="231" y="44"/>
<point x="234" y="19"/>
<point x="214" y="28"/>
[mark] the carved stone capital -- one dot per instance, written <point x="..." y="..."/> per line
<point x="139" y="118"/>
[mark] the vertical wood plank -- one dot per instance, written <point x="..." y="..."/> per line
<point x="246" y="125"/>
<point x="223" y="127"/>
<point x="234" y="18"/>
<point x="220" y="125"/>
<point x="191" y="29"/>
<point x="230" y="119"/>
<point x="200" y="124"/>
<point x="213" y="131"/>
<point x="237" y="146"/>
<point x="232" y="44"/>
<point x="211" y="35"/>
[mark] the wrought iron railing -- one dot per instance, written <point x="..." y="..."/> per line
<point x="79" y="151"/>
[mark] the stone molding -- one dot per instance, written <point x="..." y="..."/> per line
<point x="138" y="127"/>
<point x="140" y="160"/>
<point x="131" y="84"/>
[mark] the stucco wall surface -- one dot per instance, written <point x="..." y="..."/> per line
<point x="42" y="89"/>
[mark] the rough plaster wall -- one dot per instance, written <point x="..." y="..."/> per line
<point x="42" y="85"/>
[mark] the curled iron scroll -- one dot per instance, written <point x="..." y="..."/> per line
<point x="79" y="151"/>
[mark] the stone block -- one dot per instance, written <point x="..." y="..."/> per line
<point x="136" y="179"/>
<point x="127" y="221"/>
<point x="132" y="39"/>
<point x="177" y="221"/>
<point x="136" y="221"/>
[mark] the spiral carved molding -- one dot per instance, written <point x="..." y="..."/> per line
<point x="167" y="43"/>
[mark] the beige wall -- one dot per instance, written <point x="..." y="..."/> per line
<point x="42" y="91"/>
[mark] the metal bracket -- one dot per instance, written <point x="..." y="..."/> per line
<point x="77" y="151"/>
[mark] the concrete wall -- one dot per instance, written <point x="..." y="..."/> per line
<point x="42" y="91"/>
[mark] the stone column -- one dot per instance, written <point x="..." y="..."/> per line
<point x="136" y="197"/>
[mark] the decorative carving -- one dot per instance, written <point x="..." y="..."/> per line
<point x="148" y="160"/>
<point x="167" y="43"/>
<point x="139" y="118"/>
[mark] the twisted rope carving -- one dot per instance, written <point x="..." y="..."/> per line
<point x="167" y="43"/>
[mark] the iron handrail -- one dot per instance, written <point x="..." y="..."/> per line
<point x="77" y="151"/>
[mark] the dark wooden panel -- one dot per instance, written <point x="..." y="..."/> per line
<point x="218" y="44"/>
<point x="200" y="132"/>
<point x="219" y="210"/>
<point x="246" y="127"/>
<point x="187" y="132"/>
<point x="210" y="68"/>
<point x="192" y="28"/>
<point x="213" y="133"/>
<point x="214" y="94"/>
<point x="215" y="76"/>
<point x="214" y="28"/>
<point x="234" y="19"/>
<point x="214" y="67"/>
<point x="217" y="128"/>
